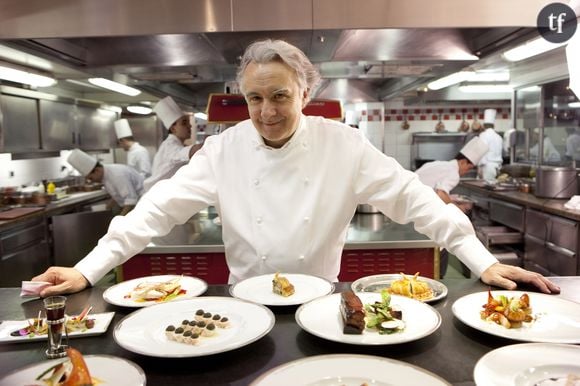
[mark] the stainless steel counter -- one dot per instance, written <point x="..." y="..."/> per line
<point x="366" y="231"/>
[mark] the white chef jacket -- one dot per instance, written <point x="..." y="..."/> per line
<point x="169" y="158"/>
<point x="139" y="159"/>
<point x="123" y="184"/>
<point x="551" y="154"/>
<point x="440" y="175"/>
<point x="491" y="162"/>
<point x="573" y="146"/>
<point x="287" y="209"/>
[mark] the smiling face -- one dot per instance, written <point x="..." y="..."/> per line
<point x="181" y="128"/>
<point x="275" y="100"/>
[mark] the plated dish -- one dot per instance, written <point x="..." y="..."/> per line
<point x="348" y="370"/>
<point x="322" y="317"/>
<point x="376" y="283"/>
<point x="108" y="369"/>
<point x="144" y="331"/>
<point x="258" y="289"/>
<point x="555" y="320"/>
<point x="150" y="290"/>
<point x="9" y="327"/>
<point x="529" y="364"/>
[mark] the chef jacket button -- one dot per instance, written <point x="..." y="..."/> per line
<point x="306" y="219"/>
<point x="256" y="182"/>
<point x="301" y="257"/>
<point x="259" y="220"/>
<point x="263" y="257"/>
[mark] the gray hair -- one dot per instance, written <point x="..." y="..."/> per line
<point x="265" y="51"/>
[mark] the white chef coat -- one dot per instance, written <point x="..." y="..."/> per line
<point x="139" y="159"/>
<point x="287" y="209"/>
<point x="551" y="154"/>
<point x="440" y="175"/>
<point x="573" y="145"/>
<point x="491" y="162"/>
<point x="123" y="184"/>
<point x="169" y="158"/>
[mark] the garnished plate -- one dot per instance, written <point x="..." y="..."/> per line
<point x="376" y="283"/>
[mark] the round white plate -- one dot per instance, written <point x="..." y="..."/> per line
<point x="376" y="283"/>
<point x="258" y="289"/>
<point x="143" y="331"/>
<point x="528" y="364"/>
<point x="557" y="319"/>
<point x="348" y="370"/>
<point x="321" y="317"/>
<point x="117" y="294"/>
<point x="109" y="369"/>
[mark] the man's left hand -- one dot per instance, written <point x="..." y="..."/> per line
<point x="507" y="276"/>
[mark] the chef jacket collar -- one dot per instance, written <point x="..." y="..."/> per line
<point x="297" y="138"/>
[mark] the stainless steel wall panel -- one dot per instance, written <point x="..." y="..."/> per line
<point x="57" y="125"/>
<point x="260" y="15"/>
<point x="510" y="215"/>
<point x="19" y="124"/>
<point x="95" y="128"/>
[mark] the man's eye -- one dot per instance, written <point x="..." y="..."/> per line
<point x="280" y="96"/>
<point x="254" y="99"/>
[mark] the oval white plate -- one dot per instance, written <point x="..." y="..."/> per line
<point x="258" y="289"/>
<point x="109" y="369"/>
<point x="558" y="320"/>
<point x="117" y="294"/>
<point x="376" y="283"/>
<point x="321" y="317"/>
<point x="347" y="370"/>
<point x="527" y="364"/>
<point x="143" y="331"/>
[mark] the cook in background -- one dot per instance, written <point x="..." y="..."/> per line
<point x="286" y="186"/>
<point x="173" y="153"/>
<point x="490" y="163"/>
<point x="137" y="156"/>
<point x="444" y="176"/>
<point x="551" y="154"/>
<point x="121" y="182"/>
<point x="573" y="143"/>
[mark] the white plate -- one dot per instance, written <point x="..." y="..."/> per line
<point x="143" y="331"/>
<point x="376" y="283"/>
<point x="109" y="369"/>
<point x="102" y="322"/>
<point x="347" y="370"/>
<point x="527" y="364"/>
<point x="117" y="293"/>
<point x="258" y="289"/>
<point x="321" y="317"/>
<point x="557" y="319"/>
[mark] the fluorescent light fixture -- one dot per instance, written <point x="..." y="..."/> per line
<point x="143" y="110"/>
<point x="115" y="109"/>
<point x="201" y="115"/>
<point x="469" y="76"/>
<point x="485" y="88"/>
<point x="114" y="86"/>
<point x="25" y="77"/>
<point x="529" y="49"/>
<point x="574" y="105"/>
<point x="449" y="80"/>
<point x="490" y="76"/>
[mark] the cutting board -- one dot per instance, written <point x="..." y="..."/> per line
<point x="17" y="212"/>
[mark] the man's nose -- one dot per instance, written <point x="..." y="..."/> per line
<point x="268" y="109"/>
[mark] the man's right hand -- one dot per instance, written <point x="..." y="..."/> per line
<point x="64" y="281"/>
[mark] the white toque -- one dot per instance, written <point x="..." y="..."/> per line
<point x="474" y="150"/>
<point x="168" y="111"/>
<point x="122" y="129"/>
<point x="489" y="116"/>
<point x="82" y="162"/>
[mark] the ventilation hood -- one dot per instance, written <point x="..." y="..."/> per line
<point x="370" y="51"/>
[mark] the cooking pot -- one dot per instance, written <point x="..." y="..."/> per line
<point x="556" y="182"/>
<point x="366" y="208"/>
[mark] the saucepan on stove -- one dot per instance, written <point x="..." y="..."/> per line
<point x="556" y="182"/>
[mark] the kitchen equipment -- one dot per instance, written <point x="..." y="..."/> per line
<point x="556" y="182"/>
<point x="17" y="212"/>
<point x="366" y="208"/>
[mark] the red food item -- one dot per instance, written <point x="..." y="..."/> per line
<point x="353" y="314"/>
<point x="80" y="375"/>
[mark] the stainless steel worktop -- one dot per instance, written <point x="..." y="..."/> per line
<point x="366" y="231"/>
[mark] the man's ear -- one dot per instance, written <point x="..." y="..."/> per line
<point x="305" y="94"/>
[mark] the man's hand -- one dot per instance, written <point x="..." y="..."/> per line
<point x="64" y="281"/>
<point x="507" y="276"/>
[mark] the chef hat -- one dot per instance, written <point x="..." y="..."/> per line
<point x="168" y="111"/>
<point x="351" y="117"/>
<point x="81" y="161"/>
<point x="474" y="150"/>
<point x="122" y="129"/>
<point x="489" y="116"/>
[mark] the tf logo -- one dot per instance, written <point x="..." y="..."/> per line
<point x="557" y="22"/>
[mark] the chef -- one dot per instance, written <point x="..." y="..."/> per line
<point x="121" y="182"/>
<point x="443" y="176"/>
<point x="286" y="186"/>
<point x="490" y="163"/>
<point x="551" y="154"/>
<point x="137" y="156"/>
<point x="173" y="153"/>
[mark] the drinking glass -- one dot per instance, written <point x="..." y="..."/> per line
<point x="55" y="318"/>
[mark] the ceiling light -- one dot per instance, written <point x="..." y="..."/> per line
<point x="574" y="105"/>
<point x="529" y="49"/>
<point x="114" y="86"/>
<point x="449" y="80"/>
<point x="136" y="109"/>
<point x="485" y="88"/>
<point x="25" y="77"/>
<point x="490" y="76"/>
<point x="201" y="115"/>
